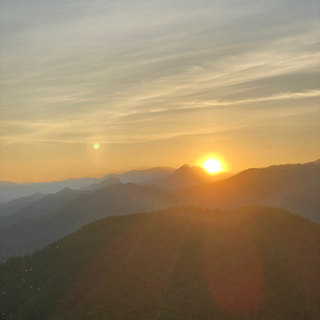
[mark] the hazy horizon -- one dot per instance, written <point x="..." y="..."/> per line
<point x="156" y="84"/>
<point x="167" y="167"/>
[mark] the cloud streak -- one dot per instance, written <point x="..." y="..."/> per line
<point x="74" y="131"/>
<point x="131" y="72"/>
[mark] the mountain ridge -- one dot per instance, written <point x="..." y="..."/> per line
<point x="294" y="187"/>
<point x="11" y="190"/>
<point x="172" y="264"/>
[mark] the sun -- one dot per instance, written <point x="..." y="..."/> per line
<point x="212" y="166"/>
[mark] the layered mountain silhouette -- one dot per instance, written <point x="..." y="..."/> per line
<point x="187" y="176"/>
<point x="16" y="205"/>
<point x="107" y="182"/>
<point x="163" y="177"/>
<point x="295" y="187"/>
<point x="42" y="206"/>
<point x="10" y="190"/>
<point x="179" y="263"/>
<point x="55" y="186"/>
<point x="30" y="234"/>
<point x="143" y="177"/>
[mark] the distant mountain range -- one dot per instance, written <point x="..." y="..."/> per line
<point x="18" y="204"/>
<point x="10" y="190"/>
<point x="175" y="264"/>
<point x="164" y="177"/>
<point x="44" y="205"/>
<point x="44" y="220"/>
<point x="43" y="226"/>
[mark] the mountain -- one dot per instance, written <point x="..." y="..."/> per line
<point x="144" y="177"/>
<point x="42" y="206"/>
<point x="11" y="190"/>
<point x="187" y="176"/>
<point x="163" y="177"/>
<point x="30" y="234"/>
<point x="106" y="182"/>
<point x="55" y="186"/>
<point x="179" y="263"/>
<point x="134" y="176"/>
<point x="16" y="205"/>
<point x="292" y="186"/>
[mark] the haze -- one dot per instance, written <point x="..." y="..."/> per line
<point x="156" y="83"/>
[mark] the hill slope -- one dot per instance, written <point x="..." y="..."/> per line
<point x="18" y="204"/>
<point x="179" y="263"/>
<point x="293" y="186"/>
<point x="42" y="206"/>
<point x="11" y="190"/>
<point x="187" y="176"/>
<point x="30" y="234"/>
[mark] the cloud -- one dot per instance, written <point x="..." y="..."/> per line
<point x="136" y="71"/>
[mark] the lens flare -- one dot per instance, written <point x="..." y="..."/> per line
<point x="96" y="146"/>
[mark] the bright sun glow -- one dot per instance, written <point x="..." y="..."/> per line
<point x="96" y="146"/>
<point x="212" y="166"/>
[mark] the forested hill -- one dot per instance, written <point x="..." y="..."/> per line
<point x="179" y="263"/>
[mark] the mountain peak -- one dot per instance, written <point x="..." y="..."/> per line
<point x="110" y="181"/>
<point x="317" y="162"/>
<point x="187" y="176"/>
<point x="66" y="190"/>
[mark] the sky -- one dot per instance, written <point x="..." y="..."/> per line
<point x="156" y="83"/>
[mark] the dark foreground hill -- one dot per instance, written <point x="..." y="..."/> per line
<point x="180" y="263"/>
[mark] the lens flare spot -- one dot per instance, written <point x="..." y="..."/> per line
<point x="96" y="146"/>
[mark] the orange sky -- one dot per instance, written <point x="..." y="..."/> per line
<point x="156" y="84"/>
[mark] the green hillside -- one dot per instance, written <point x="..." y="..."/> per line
<point x="179" y="263"/>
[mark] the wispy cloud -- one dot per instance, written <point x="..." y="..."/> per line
<point x="130" y="72"/>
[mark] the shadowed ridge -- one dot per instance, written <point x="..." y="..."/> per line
<point x="18" y="204"/>
<point x="11" y="191"/>
<point x="317" y="162"/>
<point x="294" y="186"/>
<point x="145" y="176"/>
<point x="106" y="182"/>
<point x="66" y="190"/>
<point x="41" y="207"/>
<point x="27" y="235"/>
<point x="187" y="176"/>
